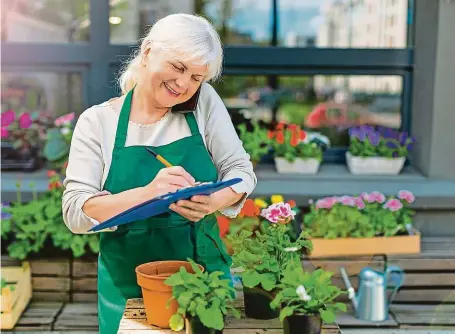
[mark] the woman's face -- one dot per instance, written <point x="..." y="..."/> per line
<point x="171" y="82"/>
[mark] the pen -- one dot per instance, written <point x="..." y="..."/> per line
<point x="159" y="157"/>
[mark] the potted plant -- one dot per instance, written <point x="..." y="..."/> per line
<point x="293" y="151"/>
<point x="204" y="300"/>
<point x="377" y="151"/>
<point x="58" y="140"/>
<point x="262" y="256"/>
<point x="255" y="142"/>
<point x="370" y="223"/>
<point x="306" y="299"/>
<point x="27" y="227"/>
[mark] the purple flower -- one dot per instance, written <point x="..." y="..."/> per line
<point x="8" y="117"/>
<point x="367" y="129"/>
<point x="393" y="205"/>
<point x="391" y="144"/>
<point x="374" y="138"/>
<point x="357" y="133"/>
<point x="5" y="215"/>
<point x="25" y="121"/>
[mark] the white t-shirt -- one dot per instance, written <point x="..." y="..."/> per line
<point x="93" y="141"/>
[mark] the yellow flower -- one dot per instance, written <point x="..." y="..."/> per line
<point x="277" y="199"/>
<point x="260" y="203"/>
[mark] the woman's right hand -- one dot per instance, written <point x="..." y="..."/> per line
<point x="168" y="180"/>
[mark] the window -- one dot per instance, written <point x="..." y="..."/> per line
<point x="374" y="100"/>
<point x="45" y="21"/>
<point x="38" y="91"/>
<point x="130" y="20"/>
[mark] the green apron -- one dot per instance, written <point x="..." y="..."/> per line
<point x="168" y="236"/>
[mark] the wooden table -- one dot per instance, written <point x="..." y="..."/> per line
<point x="134" y="322"/>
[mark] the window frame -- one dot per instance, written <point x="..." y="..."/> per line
<point x="97" y="58"/>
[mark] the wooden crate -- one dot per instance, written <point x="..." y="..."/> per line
<point x="15" y="302"/>
<point x="407" y="244"/>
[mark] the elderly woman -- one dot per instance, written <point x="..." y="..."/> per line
<point x="166" y="105"/>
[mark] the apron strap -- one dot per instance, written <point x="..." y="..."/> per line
<point x="122" y="126"/>
<point x="191" y="120"/>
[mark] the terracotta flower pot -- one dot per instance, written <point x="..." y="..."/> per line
<point x="156" y="294"/>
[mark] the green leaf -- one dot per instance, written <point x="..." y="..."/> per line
<point x="176" y="322"/>
<point x="211" y="318"/>
<point x="327" y="316"/>
<point x="286" y="312"/>
<point x="174" y="279"/>
<point x="268" y="281"/>
<point x="250" y="278"/>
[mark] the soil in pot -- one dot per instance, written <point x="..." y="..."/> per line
<point x="156" y="294"/>
<point x="257" y="303"/>
<point x="302" y="324"/>
<point x="194" y="326"/>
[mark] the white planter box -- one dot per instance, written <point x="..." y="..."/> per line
<point x="374" y="165"/>
<point x="299" y="166"/>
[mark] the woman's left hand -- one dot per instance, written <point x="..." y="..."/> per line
<point x="195" y="209"/>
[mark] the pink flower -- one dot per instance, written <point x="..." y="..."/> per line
<point x="406" y="195"/>
<point x="5" y="132"/>
<point x="326" y="203"/>
<point x="359" y="203"/>
<point x="25" y="121"/>
<point x="375" y="196"/>
<point x="393" y="205"/>
<point x="64" y="120"/>
<point x="364" y="195"/>
<point x="347" y="200"/>
<point x="278" y="213"/>
<point x="8" y="117"/>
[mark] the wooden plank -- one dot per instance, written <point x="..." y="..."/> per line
<point x="84" y="297"/>
<point x="38" y="316"/>
<point x="50" y="296"/>
<point x="349" y="320"/>
<point x="80" y="308"/>
<point x="51" y="267"/>
<point x="134" y="303"/>
<point x="426" y="295"/>
<point x="424" y="264"/>
<point x="85" y="284"/>
<point x="60" y="284"/>
<point x="424" y="314"/>
<point x="85" y="268"/>
<point x="87" y="322"/>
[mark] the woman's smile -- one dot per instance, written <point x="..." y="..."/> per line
<point x="171" y="91"/>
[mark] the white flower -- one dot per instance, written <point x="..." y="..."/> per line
<point x="301" y="292"/>
<point x="291" y="249"/>
<point x="64" y="131"/>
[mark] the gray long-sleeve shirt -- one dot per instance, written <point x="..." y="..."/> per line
<point x="93" y="142"/>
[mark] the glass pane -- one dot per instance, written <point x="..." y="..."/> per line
<point x="325" y="104"/>
<point x="130" y="19"/>
<point x="31" y="101"/>
<point x="45" y="21"/>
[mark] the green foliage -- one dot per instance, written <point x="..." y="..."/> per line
<point x="311" y="293"/>
<point x="264" y="254"/>
<point x="256" y="142"/>
<point x="202" y="295"/>
<point x="32" y="224"/>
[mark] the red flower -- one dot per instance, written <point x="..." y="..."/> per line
<point x="54" y="185"/>
<point x="292" y="127"/>
<point x="280" y="137"/>
<point x="292" y="203"/>
<point x="302" y="135"/>
<point x="294" y="138"/>
<point x="250" y="209"/>
<point x="223" y="223"/>
<point x="51" y="173"/>
<point x="270" y="134"/>
<point x="280" y="126"/>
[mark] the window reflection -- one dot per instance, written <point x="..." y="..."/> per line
<point x="45" y="21"/>
<point x="328" y="104"/>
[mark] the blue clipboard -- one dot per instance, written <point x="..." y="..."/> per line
<point x="160" y="204"/>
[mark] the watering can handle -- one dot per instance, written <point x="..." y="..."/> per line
<point x="395" y="278"/>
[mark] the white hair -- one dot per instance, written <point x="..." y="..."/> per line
<point x="182" y="37"/>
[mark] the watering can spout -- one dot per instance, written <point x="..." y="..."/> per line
<point x="351" y="291"/>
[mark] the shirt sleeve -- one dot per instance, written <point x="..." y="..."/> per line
<point x="83" y="179"/>
<point x="226" y="148"/>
